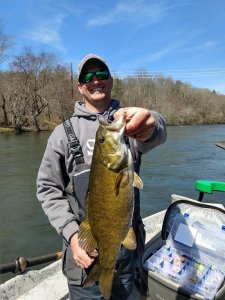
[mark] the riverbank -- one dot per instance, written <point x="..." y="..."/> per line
<point x="5" y="130"/>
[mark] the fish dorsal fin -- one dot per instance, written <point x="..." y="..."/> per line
<point x="86" y="238"/>
<point x="137" y="181"/>
<point x="130" y="241"/>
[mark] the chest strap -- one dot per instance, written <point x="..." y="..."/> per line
<point x="74" y="143"/>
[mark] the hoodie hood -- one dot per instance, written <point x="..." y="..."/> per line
<point x="81" y="111"/>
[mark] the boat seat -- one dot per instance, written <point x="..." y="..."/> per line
<point x="208" y="186"/>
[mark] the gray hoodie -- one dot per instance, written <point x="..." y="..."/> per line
<point x="58" y="166"/>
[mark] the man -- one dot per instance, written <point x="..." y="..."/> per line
<point x="60" y="169"/>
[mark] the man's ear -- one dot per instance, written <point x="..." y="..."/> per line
<point x="79" y="85"/>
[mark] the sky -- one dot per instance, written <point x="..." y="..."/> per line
<point x="183" y="39"/>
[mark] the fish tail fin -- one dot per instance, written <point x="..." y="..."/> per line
<point x="94" y="275"/>
<point x="105" y="282"/>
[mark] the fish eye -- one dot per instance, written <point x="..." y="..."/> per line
<point x="101" y="139"/>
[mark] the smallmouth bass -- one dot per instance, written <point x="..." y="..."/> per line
<point x="109" y="203"/>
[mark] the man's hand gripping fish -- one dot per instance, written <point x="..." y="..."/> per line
<point x="109" y="203"/>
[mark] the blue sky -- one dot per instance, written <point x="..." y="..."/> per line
<point x="184" y="39"/>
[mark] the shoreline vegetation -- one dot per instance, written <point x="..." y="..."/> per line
<point x="37" y="93"/>
<point x="11" y="130"/>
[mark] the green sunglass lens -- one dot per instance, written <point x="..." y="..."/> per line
<point x="87" y="77"/>
<point x="102" y="75"/>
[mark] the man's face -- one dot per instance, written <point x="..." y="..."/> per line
<point x="97" y="93"/>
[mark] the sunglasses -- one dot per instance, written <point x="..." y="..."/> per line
<point x="88" y="77"/>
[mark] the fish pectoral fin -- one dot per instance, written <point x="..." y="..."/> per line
<point x="137" y="181"/>
<point x="130" y="241"/>
<point x="86" y="238"/>
<point x="122" y="180"/>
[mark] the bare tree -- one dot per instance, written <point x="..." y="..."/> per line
<point x="38" y="92"/>
<point x="33" y="72"/>
<point x="5" y="44"/>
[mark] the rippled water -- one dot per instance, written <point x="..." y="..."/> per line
<point x="172" y="168"/>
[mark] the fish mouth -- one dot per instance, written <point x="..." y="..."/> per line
<point x="118" y="126"/>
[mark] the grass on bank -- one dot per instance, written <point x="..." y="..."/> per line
<point x="6" y="130"/>
<point x="45" y="125"/>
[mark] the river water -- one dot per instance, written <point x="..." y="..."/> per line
<point x="172" y="168"/>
